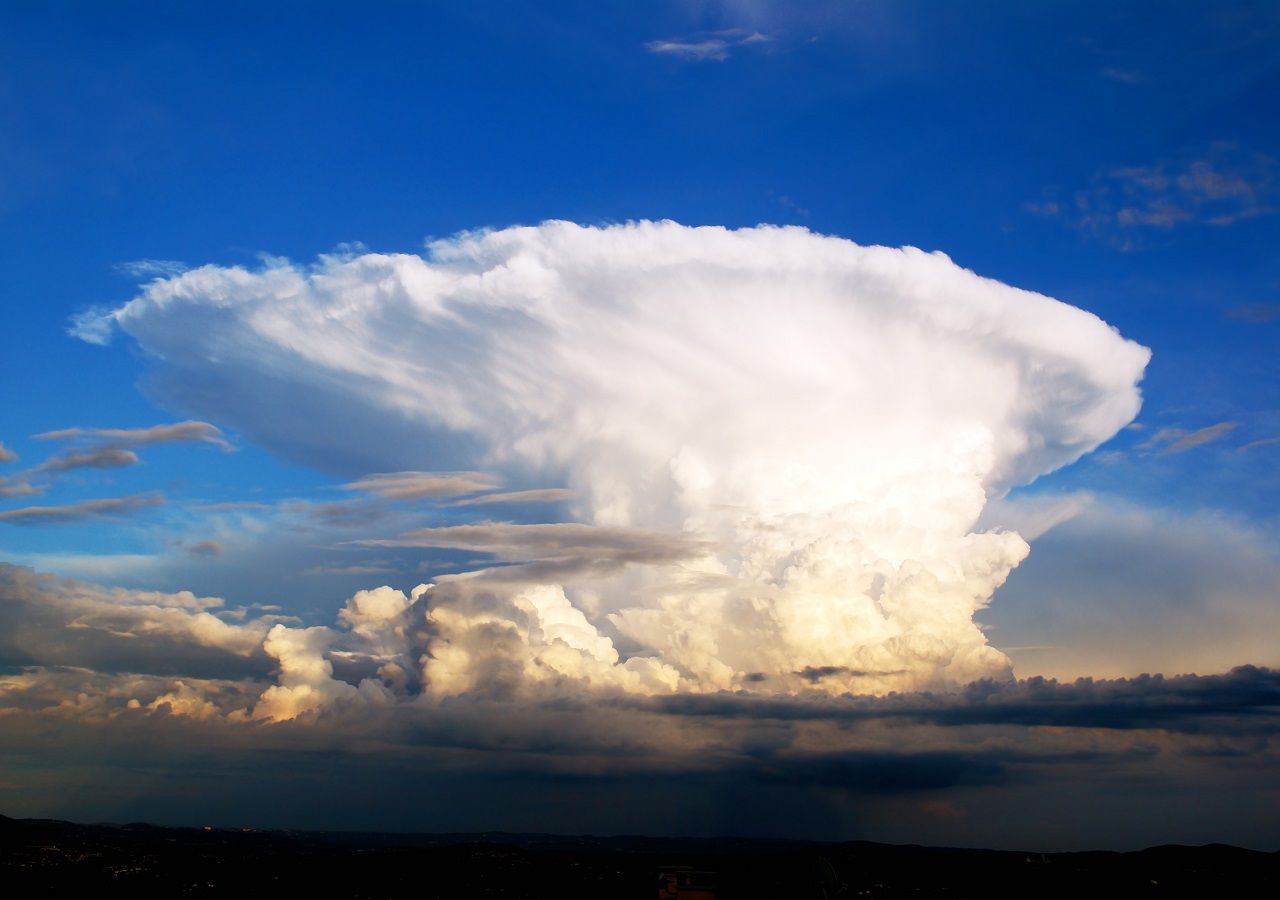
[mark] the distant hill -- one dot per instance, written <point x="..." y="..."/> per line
<point x="42" y="856"/>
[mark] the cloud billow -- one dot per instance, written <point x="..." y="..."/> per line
<point x="815" y="427"/>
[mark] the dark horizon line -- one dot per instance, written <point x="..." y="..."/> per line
<point x="527" y="839"/>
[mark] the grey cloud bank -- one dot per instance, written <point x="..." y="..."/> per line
<point x="233" y="715"/>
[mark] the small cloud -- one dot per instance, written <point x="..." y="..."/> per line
<point x="93" y="326"/>
<point x="7" y="455"/>
<point x="151" y="268"/>
<point x="1224" y="185"/>
<point x="1254" y="445"/>
<point x="177" y="433"/>
<point x="697" y="51"/>
<point x="1124" y="76"/>
<point x="99" y="458"/>
<point x="17" y="487"/>
<point x="1108" y="457"/>
<point x="716" y="46"/>
<point x="423" y="485"/>
<point x="79" y="512"/>
<point x="541" y="495"/>
<point x="1180" y="440"/>
<point x="370" y="569"/>
<point x="1255" y="313"/>
<point x="788" y="203"/>
<point x="339" y="515"/>
<point x="205" y="549"/>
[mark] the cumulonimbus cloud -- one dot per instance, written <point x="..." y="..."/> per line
<point x="825" y="420"/>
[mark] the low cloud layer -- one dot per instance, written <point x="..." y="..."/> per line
<point x="406" y="694"/>
<point x="779" y="443"/>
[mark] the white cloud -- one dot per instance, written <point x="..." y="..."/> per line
<point x="93" y="326"/>
<point x="716" y="45"/>
<point x="823" y="422"/>
<point x="151" y="268"/>
<point x="711" y="48"/>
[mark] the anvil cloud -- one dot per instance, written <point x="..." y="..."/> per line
<point x="778" y="445"/>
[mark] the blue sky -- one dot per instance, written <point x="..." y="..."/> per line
<point x="202" y="135"/>
<point x="1116" y="157"/>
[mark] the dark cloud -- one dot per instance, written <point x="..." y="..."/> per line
<point x="1247" y="697"/>
<point x="881" y="772"/>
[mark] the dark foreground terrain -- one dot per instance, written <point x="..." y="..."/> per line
<point x="51" y="858"/>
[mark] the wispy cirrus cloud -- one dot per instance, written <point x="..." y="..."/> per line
<point x="123" y="438"/>
<point x="1224" y="185"/>
<point x="17" y="486"/>
<point x="537" y="495"/>
<point x="1254" y="445"/>
<point x="1180" y="440"/>
<point x="1255" y="313"/>
<point x="207" y="548"/>
<point x="108" y="507"/>
<point x="1122" y="75"/>
<point x="147" y="268"/>
<point x="423" y="485"/>
<point x="98" y="458"/>
<point x="714" y="46"/>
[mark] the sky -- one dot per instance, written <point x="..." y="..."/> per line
<point x="827" y="420"/>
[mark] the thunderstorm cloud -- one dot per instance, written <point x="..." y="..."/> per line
<point x="778" y="443"/>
